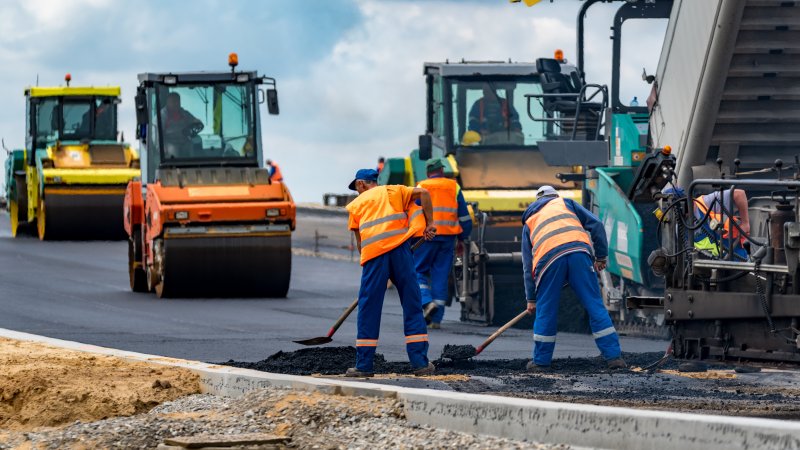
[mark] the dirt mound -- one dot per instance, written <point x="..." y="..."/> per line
<point x="46" y="386"/>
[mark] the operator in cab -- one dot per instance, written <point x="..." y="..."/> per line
<point x="564" y="242"/>
<point x="495" y="119"/>
<point x="717" y="233"/>
<point x="434" y="259"/>
<point x="104" y="126"/>
<point x="383" y="219"/>
<point x="179" y="127"/>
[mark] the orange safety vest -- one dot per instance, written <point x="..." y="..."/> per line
<point x="716" y="217"/>
<point x="277" y="176"/>
<point x="383" y="228"/>
<point x="444" y="196"/>
<point x="552" y="226"/>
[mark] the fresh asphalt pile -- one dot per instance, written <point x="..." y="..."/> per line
<point x="725" y="388"/>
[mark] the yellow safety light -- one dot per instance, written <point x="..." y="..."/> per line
<point x="667" y="150"/>
<point x="68" y="78"/>
<point x="527" y="2"/>
<point x="233" y="60"/>
<point x="559" y="55"/>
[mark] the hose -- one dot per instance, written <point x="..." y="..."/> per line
<point x="762" y="296"/>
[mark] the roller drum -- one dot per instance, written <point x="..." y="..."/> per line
<point x="78" y="214"/>
<point x="225" y="266"/>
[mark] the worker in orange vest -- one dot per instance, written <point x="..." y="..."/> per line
<point x="381" y="164"/>
<point x="434" y="259"/>
<point x="564" y="242"/>
<point x="383" y="218"/>
<point x="274" y="171"/>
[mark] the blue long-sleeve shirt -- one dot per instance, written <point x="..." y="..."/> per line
<point x="589" y="222"/>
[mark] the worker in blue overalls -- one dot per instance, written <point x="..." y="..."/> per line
<point x="383" y="219"/>
<point x="434" y="259"/>
<point x="556" y="249"/>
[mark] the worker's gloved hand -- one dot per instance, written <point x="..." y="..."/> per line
<point x="531" y="307"/>
<point x="460" y="248"/>
<point x="600" y="265"/>
<point x="430" y="233"/>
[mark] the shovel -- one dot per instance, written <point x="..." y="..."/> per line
<point x="461" y="352"/>
<point x="325" y="339"/>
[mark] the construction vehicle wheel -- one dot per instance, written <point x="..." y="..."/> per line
<point x="151" y="279"/>
<point x="136" y="274"/>
<point x="41" y="221"/>
<point x="160" y="290"/>
<point x="13" y="212"/>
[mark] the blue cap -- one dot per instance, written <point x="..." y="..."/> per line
<point x="365" y="175"/>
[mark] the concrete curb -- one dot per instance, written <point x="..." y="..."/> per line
<point x="534" y="420"/>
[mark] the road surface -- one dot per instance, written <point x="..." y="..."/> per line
<point x="79" y="291"/>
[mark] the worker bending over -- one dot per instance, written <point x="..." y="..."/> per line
<point x="714" y="236"/>
<point x="383" y="219"/>
<point x="274" y="171"/>
<point x="434" y="259"/>
<point x="556" y="249"/>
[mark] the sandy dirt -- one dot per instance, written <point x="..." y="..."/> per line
<point x="42" y="386"/>
<point x="310" y="420"/>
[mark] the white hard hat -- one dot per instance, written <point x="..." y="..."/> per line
<point x="546" y="191"/>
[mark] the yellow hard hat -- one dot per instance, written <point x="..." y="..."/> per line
<point x="470" y="138"/>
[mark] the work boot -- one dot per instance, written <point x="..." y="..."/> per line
<point x="532" y="367"/>
<point x="435" y="326"/>
<point x="428" y="311"/>
<point x="427" y="370"/>
<point x="355" y="373"/>
<point x="616" y="364"/>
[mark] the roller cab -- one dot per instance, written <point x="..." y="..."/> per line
<point x="69" y="182"/>
<point x="205" y="219"/>
<point x="478" y="126"/>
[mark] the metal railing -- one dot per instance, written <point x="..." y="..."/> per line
<point x="581" y="102"/>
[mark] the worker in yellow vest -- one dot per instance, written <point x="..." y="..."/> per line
<point x="434" y="259"/>
<point x="383" y="218"/>
<point x="564" y="242"/>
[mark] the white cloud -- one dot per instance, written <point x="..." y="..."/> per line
<point x="364" y="98"/>
<point x="367" y="98"/>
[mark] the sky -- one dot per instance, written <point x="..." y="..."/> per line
<point x="349" y="72"/>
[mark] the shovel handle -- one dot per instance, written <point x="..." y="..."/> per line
<point x="344" y="316"/>
<point x="417" y="244"/>
<point x="500" y="331"/>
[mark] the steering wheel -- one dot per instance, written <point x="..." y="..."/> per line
<point x="193" y="129"/>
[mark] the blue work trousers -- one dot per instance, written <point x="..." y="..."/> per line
<point x="396" y="265"/>
<point x="578" y="269"/>
<point x="434" y="261"/>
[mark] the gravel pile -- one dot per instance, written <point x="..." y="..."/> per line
<point x="311" y="420"/>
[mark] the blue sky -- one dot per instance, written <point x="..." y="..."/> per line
<point x="349" y="71"/>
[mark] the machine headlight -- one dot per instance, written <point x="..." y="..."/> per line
<point x="170" y="79"/>
<point x="242" y="78"/>
<point x="273" y="213"/>
<point x="181" y="215"/>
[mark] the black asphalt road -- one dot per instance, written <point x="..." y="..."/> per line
<point x="79" y="291"/>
